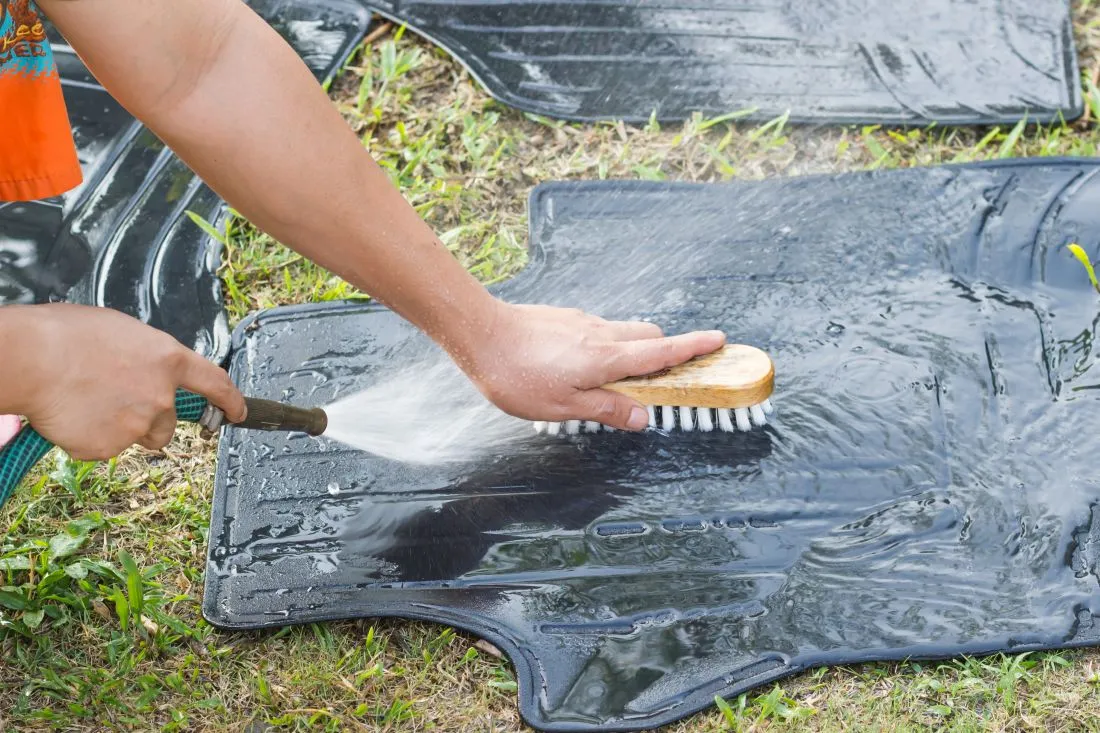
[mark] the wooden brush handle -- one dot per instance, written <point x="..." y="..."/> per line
<point x="734" y="376"/>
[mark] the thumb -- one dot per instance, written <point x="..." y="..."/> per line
<point x="611" y="408"/>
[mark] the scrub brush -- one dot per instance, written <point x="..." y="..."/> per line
<point x="727" y="390"/>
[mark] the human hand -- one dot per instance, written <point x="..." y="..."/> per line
<point x="95" y="381"/>
<point x="545" y="363"/>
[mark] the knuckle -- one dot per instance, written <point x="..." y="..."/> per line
<point x="668" y="354"/>
<point x="174" y="356"/>
<point x="607" y="350"/>
<point x="606" y="408"/>
<point x="156" y="442"/>
<point x="134" y="426"/>
<point x="230" y="387"/>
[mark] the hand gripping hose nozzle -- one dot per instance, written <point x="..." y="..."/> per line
<point x="28" y="447"/>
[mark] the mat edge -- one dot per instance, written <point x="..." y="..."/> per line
<point x="499" y="92"/>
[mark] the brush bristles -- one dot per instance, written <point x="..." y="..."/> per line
<point x="667" y="419"/>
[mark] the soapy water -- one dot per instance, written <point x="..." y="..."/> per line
<point x="926" y="487"/>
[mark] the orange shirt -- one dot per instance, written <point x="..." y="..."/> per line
<point x="37" y="155"/>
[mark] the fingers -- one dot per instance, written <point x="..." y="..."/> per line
<point x="212" y="382"/>
<point x="637" y="358"/>
<point x="633" y="330"/>
<point x="610" y="408"/>
<point x="161" y="432"/>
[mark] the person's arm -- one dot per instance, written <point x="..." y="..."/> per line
<point x="234" y="101"/>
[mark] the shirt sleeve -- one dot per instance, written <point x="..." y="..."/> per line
<point x="38" y="158"/>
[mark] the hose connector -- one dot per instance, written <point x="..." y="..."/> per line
<point x="269" y="415"/>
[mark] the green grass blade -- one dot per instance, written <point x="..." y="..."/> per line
<point x="1083" y="257"/>
<point x="135" y="586"/>
<point x="1010" y="142"/>
<point x="726" y="710"/>
<point x="206" y="226"/>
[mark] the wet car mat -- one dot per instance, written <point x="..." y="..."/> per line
<point x="847" y="61"/>
<point x="924" y="490"/>
<point x="123" y="238"/>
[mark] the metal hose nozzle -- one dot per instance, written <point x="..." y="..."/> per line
<point x="272" y="416"/>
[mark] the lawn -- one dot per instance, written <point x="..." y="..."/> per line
<point x="102" y="565"/>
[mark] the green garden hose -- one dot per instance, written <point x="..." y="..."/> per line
<point x="21" y="454"/>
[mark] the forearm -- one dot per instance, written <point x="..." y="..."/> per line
<point x="234" y="101"/>
<point x="16" y="354"/>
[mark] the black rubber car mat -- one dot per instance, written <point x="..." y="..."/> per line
<point x="925" y="490"/>
<point x="123" y="238"/>
<point x="846" y="61"/>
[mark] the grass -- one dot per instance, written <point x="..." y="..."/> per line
<point x="101" y="567"/>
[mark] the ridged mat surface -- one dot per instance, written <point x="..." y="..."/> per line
<point x="949" y="61"/>
<point x="927" y="489"/>
<point x="123" y="239"/>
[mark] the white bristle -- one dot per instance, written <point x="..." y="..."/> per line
<point x="743" y="422"/>
<point x="724" y="421"/>
<point x="705" y="419"/>
<point x="668" y="418"/>
<point x="687" y="420"/>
